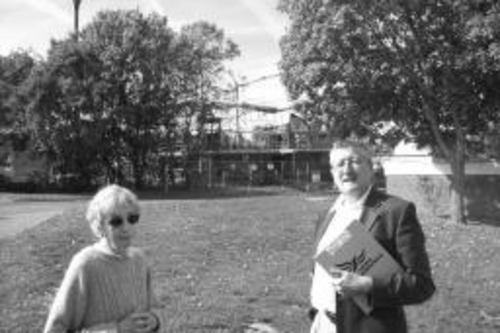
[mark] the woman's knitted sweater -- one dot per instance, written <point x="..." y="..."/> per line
<point x="100" y="289"/>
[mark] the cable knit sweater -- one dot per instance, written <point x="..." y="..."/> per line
<point x="101" y="288"/>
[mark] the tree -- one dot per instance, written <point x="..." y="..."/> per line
<point x="202" y="50"/>
<point x="61" y="109"/>
<point x="104" y="102"/>
<point x="15" y="69"/>
<point x="137" y="55"/>
<point x="429" y="67"/>
<point x="110" y="104"/>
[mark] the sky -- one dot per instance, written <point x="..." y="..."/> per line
<point x="255" y="25"/>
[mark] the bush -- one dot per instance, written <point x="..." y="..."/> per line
<point x="3" y="182"/>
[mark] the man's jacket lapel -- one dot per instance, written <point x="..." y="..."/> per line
<point x="373" y="206"/>
<point x="323" y="223"/>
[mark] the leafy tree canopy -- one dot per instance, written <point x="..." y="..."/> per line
<point x="430" y="67"/>
<point x="15" y="70"/>
<point x="108" y="104"/>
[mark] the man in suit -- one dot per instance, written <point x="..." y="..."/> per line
<point x="393" y="222"/>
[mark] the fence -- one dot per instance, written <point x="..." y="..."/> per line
<point x="210" y="173"/>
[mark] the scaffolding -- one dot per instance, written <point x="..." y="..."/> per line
<point x="287" y="154"/>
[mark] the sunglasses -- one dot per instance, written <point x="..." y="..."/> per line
<point x="117" y="221"/>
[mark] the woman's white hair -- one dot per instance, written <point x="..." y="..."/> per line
<point x="110" y="200"/>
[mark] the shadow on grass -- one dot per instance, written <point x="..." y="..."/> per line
<point x="478" y="220"/>
<point x="174" y="194"/>
<point x="474" y="219"/>
<point x="43" y="197"/>
<point x="216" y="193"/>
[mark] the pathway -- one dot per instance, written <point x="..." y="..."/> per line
<point x="16" y="216"/>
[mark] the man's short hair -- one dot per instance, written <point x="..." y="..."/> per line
<point x="359" y="147"/>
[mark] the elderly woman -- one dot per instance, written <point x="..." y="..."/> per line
<point x="107" y="287"/>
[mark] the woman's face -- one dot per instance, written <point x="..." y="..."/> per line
<point x="120" y="229"/>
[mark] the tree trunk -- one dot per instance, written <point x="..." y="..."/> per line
<point x="137" y="169"/>
<point x="162" y="169"/>
<point x="457" y="203"/>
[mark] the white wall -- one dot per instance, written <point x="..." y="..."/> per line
<point x="426" y="165"/>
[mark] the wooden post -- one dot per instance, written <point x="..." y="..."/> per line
<point x="210" y="173"/>
<point x="308" y="177"/>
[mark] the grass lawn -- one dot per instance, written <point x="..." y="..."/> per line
<point x="224" y="261"/>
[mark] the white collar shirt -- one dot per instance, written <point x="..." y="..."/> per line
<point x="323" y="289"/>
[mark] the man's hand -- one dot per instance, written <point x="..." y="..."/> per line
<point x="349" y="285"/>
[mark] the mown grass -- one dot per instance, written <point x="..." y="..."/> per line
<point x="222" y="262"/>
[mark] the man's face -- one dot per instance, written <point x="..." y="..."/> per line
<point x="351" y="171"/>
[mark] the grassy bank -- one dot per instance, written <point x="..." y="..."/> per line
<point x="222" y="262"/>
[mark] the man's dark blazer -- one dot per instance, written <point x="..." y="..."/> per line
<point x="394" y="224"/>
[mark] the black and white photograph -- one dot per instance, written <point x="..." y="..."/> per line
<point x="249" y="166"/>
